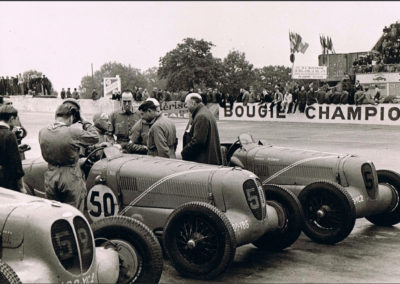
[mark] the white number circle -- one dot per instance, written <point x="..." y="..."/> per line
<point x="101" y="202"/>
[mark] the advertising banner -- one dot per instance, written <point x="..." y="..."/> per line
<point x="374" y="78"/>
<point x="111" y="84"/>
<point x="174" y="109"/>
<point x="383" y="114"/>
<point x="309" y="72"/>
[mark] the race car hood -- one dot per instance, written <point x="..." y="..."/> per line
<point x="168" y="179"/>
<point x="14" y="209"/>
<point x="283" y="165"/>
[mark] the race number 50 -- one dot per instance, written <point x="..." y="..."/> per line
<point x="101" y="202"/>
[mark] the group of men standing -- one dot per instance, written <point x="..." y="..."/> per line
<point x="144" y="131"/>
<point x="67" y="94"/>
<point x="18" y="85"/>
<point x="151" y="132"/>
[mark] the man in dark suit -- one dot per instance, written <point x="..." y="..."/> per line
<point x="11" y="170"/>
<point x="201" y="143"/>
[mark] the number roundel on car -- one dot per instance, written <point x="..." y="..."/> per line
<point x="101" y="202"/>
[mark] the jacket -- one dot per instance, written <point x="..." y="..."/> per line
<point x="60" y="144"/>
<point x="10" y="162"/>
<point x="203" y="144"/>
<point x="122" y="123"/>
<point x="162" y="138"/>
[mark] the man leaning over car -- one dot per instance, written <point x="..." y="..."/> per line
<point x="60" y="143"/>
<point x="139" y="134"/>
<point x="161" y="140"/>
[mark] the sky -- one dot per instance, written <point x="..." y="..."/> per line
<point x="63" y="39"/>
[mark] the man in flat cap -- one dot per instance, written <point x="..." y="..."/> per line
<point x="124" y="119"/>
<point x="202" y="144"/>
<point x="11" y="170"/>
<point x="140" y="132"/>
<point x="60" y="143"/>
<point x="162" y="140"/>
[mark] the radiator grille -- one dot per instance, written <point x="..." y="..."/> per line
<point x="85" y="242"/>
<point x="64" y="246"/>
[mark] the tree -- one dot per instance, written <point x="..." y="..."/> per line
<point x="31" y="74"/>
<point x="130" y="77"/>
<point x="34" y="81"/>
<point x="237" y="73"/>
<point x="190" y="65"/>
<point x="153" y="80"/>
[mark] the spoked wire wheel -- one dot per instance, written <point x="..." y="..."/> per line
<point x="199" y="240"/>
<point x="329" y="212"/>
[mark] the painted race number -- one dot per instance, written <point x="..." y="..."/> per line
<point x="101" y="202"/>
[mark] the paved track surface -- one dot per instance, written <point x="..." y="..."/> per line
<point x="370" y="254"/>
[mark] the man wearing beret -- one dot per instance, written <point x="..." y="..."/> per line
<point x="11" y="170"/>
<point x="202" y="144"/>
<point x="161" y="140"/>
<point x="60" y="143"/>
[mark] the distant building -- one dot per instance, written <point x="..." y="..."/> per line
<point x="380" y="66"/>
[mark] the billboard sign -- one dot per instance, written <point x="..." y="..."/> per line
<point x="111" y="84"/>
<point x="309" y="72"/>
<point x="384" y="114"/>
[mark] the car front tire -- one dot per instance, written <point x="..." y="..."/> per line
<point x="199" y="240"/>
<point x="392" y="179"/>
<point x="291" y="220"/>
<point x="8" y="275"/>
<point x="329" y="212"/>
<point x="140" y="253"/>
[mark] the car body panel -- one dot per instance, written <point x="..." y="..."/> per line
<point x="296" y="168"/>
<point x="149" y="188"/>
<point x="29" y="241"/>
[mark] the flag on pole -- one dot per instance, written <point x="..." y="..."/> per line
<point x="303" y="47"/>
<point x="296" y="43"/>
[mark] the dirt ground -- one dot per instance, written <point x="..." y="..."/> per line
<point x="370" y="254"/>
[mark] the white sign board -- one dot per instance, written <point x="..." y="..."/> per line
<point x="378" y="78"/>
<point x="110" y="84"/>
<point x="309" y="72"/>
<point x="382" y="114"/>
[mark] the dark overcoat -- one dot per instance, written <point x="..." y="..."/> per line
<point x="202" y="143"/>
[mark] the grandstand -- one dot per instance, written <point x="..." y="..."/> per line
<point x="379" y="66"/>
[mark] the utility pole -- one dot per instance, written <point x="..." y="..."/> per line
<point x="92" y="77"/>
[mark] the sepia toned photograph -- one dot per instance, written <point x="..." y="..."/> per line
<point x="199" y="141"/>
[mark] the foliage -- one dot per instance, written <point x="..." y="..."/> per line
<point x="130" y="78"/>
<point x="269" y="76"/>
<point x="35" y="81"/>
<point x="237" y="73"/>
<point x="153" y="80"/>
<point x="190" y="65"/>
<point x="31" y="74"/>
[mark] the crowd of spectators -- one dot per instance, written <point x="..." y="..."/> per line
<point x="386" y="57"/>
<point x="18" y="85"/>
<point x="289" y="97"/>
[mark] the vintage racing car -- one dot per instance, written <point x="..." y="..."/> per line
<point x="44" y="241"/>
<point x="334" y="189"/>
<point x="200" y="212"/>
